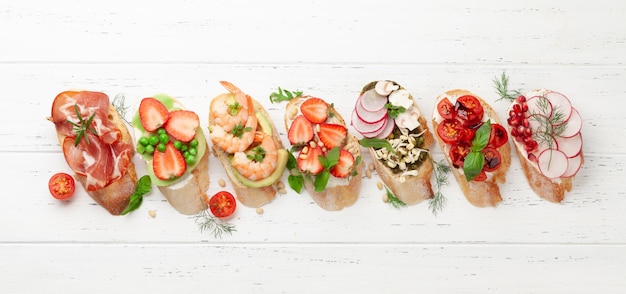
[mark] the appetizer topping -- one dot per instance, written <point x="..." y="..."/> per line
<point x="332" y="135"/>
<point x="153" y="114"/>
<point x="401" y="98"/>
<point x="222" y="204"/>
<point x="61" y="186"/>
<point x="168" y="164"/>
<point x="142" y="187"/>
<point x="315" y="110"/>
<point x="301" y="131"/>
<point x="384" y="88"/>
<point x="405" y="154"/>
<point x="182" y="125"/>
<point x="82" y="126"/>
<point x="343" y="168"/>
<point x="308" y="160"/>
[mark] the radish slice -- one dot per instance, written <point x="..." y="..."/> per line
<point x="574" y="125"/>
<point x="573" y="167"/>
<point x="364" y="127"/>
<point x="560" y="105"/>
<point x="372" y="101"/>
<point x="570" y="146"/>
<point x="387" y="129"/>
<point x="539" y="105"/>
<point x="369" y="116"/>
<point x="552" y="163"/>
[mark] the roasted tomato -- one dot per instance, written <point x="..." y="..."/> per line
<point x="498" y="136"/>
<point x="493" y="159"/>
<point x="458" y="153"/>
<point x="61" y="186"/>
<point x="222" y="204"/>
<point x="469" y="111"/>
<point x="446" y="109"/>
<point x="450" y="130"/>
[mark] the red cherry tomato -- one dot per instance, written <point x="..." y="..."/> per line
<point x="61" y="186"/>
<point x="457" y="154"/>
<point x="450" y="130"/>
<point x="493" y="159"/>
<point x="498" y="136"/>
<point x="222" y="204"/>
<point x="469" y="110"/>
<point x="446" y="109"/>
<point x="480" y="177"/>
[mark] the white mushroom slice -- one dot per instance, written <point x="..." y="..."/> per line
<point x="385" y="88"/>
<point x="408" y="119"/>
<point x="401" y="98"/>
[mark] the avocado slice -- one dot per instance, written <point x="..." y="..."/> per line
<point x="278" y="172"/>
<point x="265" y="123"/>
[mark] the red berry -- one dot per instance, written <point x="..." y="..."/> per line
<point x="182" y="125"/>
<point x="301" y="131"/>
<point x="521" y="98"/>
<point x="152" y="113"/>
<point x="343" y="168"/>
<point x="332" y="135"/>
<point x="524" y="106"/>
<point x="517" y="108"/>
<point x="315" y="110"/>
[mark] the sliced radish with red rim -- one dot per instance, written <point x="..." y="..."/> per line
<point x="560" y="106"/>
<point x="574" y="124"/>
<point x="573" y="166"/>
<point x="552" y="163"/>
<point x="386" y="131"/>
<point x="571" y="146"/>
<point x="368" y="116"/>
<point x="372" y="101"/>
<point x="366" y="128"/>
<point x="539" y="105"/>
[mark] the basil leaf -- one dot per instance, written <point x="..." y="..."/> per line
<point x="296" y="182"/>
<point x="143" y="186"/>
<point x="291" y="162"/>
<point x="375" y="143"/>
<point x="481" y="138"/>
<point x="331" y="158"/>
<point x="135" y="202"/>
<point x="473" y="164"/>
<point x="321" y="180"/>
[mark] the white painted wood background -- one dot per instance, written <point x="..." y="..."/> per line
<point x="329" y="49"/>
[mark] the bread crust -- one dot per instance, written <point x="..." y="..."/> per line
<point x="339" y="196"/>
<point x="248" y="196"/>
<point x="483" y="193"/>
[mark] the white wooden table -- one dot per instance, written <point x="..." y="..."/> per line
<point x="327" y="49"/>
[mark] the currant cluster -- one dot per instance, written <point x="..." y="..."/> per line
<point x="520" y="125"/>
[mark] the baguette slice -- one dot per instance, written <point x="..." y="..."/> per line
<point x="410" y="189"/>
<point x="251" y="194"/>
<point x="551" y="189"/>
<point x="340" y="192"/>
<point x="186" y="194"/>
<point x="479" y="193"/>
<point x="115" y="196"/>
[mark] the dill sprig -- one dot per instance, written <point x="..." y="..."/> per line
<point x="207" y="222"/>
<point x="393" y="200"/>
<point x="119" y="102"/>
<point x="438" y="202"/>
<point x="502" y="88"/>
<point x="82" y="127"/>
<point x="550" y="121"/>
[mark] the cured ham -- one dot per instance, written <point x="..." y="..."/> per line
<point x="105" y="157"/>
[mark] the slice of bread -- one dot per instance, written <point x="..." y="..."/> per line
<point x="479" y="193"/>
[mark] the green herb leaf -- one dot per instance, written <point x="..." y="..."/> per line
<point x="284" y="95"/>
<point x="321" y="180"/>
<point x="292" y="162"/>
<point x="331" y="158"/>
<point x="207" y="222"/>
<point x="234" y="108"/>
<point x="119" y="102"/>
<point x="143" y="186"/>
<point x="393" y="200"/>
<point x="481" y="138"/>
<point x="296" y="182"/>
<point x="442" y="171"/>
<point x="357" y="161"/>
<point x="82" y="127"/>
<point x="394" y="111"/>
<point x="502" y="88"/>
<point x="376" y="143"/>
<point x="473" y="164"/>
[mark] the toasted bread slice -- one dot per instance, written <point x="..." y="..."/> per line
<point x="413" y="185"/>
<point x="479" y="193"/>
<point x="340" y="192"/>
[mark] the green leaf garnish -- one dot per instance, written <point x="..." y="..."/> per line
<point x="295" y="178"/>
<point x="442" y="171"/>
<point x="321" y="180"/>
<point x="475" y="159"/>
<point x="256" y="154"/>
<point x="394" y="111"/>
<point x="481" y="138"/>
<point x="119" y="102"/>
<point x="207" y="222"/>
<point x="143" y="187"/>
<point x="284" y="95"/>
<point x="238" y="130"/>
<point x="376" y="143"/>
<point x="393" y="200"/>
<point x="82" y="126"/>
<point x="502" y="88"/>
<point x="234" y="108"/>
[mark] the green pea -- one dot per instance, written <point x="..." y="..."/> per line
<point x="143" y="141"/>
<point x="190" y="159"/>
<point x="164" y="138"/>
<point x="193" y="151"/>
<point x="161" y="147"/>
<point x="193" y="143"/>
<point x="178" y="144"/>
<point x="141" y="149"/>
<point x="149" y="149"/>
<point x="153" y="140"/>
<point x="161" y="131"/>
<point x="184" y="148"/>
<point x="186" y="154"/>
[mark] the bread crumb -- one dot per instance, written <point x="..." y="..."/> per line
<point x="259" y="210"/>
<point x="222" y="183"/>
<point x="152" y="213"/>
<point x="379" y="185"/>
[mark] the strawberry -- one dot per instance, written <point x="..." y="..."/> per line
<point x="344" y="167"/>
<point x="308" y="160"/>
<point x="169" y="164"/>
<point x="182" y="125"/>
<point x="301" y="131"/>
<point x="153" y="114"/>
<point x="315" y="110"/>
<point x="332" y="135"/>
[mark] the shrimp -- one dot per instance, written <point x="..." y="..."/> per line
<point x="240" y="136"/>
<point x="259" y="162"/>
<point x="230" y="110"/>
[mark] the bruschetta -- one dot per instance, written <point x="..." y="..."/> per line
<point x="385" y="112"/>
<point x="171" y="142"/>
<point x="474" y="143"/>
<point x="327" y="157"/>
<point x="546" y="129"/>
<point x="248" y="145"/>
<point x="97" y="147"/>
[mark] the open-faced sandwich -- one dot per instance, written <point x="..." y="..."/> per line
<point x="398" y="139"/>
<point x="172" y="144"/>
<point x="248" y="145"/>
<point x="475" y="144"/>
<point x="328" y="158"/>
<point x="97" y="147"/>
<point x="546" y="131"/>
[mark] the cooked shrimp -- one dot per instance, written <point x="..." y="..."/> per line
<point x="230" y="110"/>
<point x="240" y="137"/>
<point x="259" y="162"/>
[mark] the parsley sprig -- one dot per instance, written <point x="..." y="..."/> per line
<point x="82" y="127"/>
<point x="284" y="95"/>
<point x="393" y="110"/>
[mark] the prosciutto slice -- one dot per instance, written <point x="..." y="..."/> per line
<point x="105" y="158"/>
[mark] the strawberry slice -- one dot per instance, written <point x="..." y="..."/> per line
<point x="315" y="110"/>
<point x="169" y="164"/>
<point x="343" y="168"/>
<point x="332" y="135"/>
<point x="308" y="160"/>
<point x="301" y="131"/>
<point x="153" y="114"/>
<point x="182" y="125"/>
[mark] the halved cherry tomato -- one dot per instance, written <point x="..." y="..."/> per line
<point x="493" y="159"/>
<point x="457" y="153"/>
<point x="467" y="135"/>
<point x="469" y="110"/>
<point x="498" y="136"/>
<point x="480" y="177"/>
<point x="446" y="109"/>
<point x="450" y="130"/>
<point x="222" y="204"/>
<point x="61" y="186"/>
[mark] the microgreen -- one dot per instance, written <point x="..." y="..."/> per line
<point x="393" y="110"/>
<point x="143" y="187"/>
<point x="502" y="88"/>
<point x="239" y="129"/>
<point x="257" y="154"/>
<point x="83" y="126"/>
<point x="475" y="160"/>
<point x="284" y="95"/>
<point x="234" y="108"/>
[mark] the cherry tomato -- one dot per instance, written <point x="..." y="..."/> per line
<point x="446" y="109"/>
<point x="469" y="110"/>
<point x="450" y="130"/>
<point x="61" y="186"/>
<point x="457" y="153"/>
<point x="498" y="136"/>
<point x="222" y="204"/>
<point x="493" y="159"/>
<point x="467" y="135"/>
<point x="480" y="177"/>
